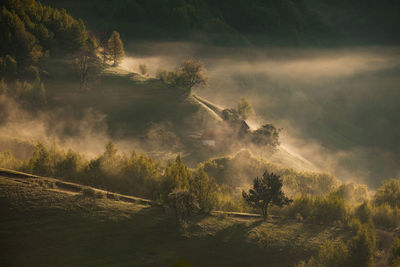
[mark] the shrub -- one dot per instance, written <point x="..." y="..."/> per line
<point x="362" y="246"/>
<point x="386" y="216"/>
<point x="389" y="193"/>
<point x="353" y="192"/>
<point x="143" y="69"/>
<point x="328" y="209"/>
<point x="364" y="212"/>
<point x="359" y="250"/>
<point x="8" y="161"/>
<point x="395" y="250"/>
<point x="331" y="254"/>
<point x="176" y="177"/>
<point x="204" y="188"/>
<point x="184" y="204"/>
<point x="88" y="192"/>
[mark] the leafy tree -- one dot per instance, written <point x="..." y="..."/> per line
<point x="7" y="160"/>
<point x="266" y="191"/>
<point x="362" y="246"/>
<point x="191" y="74"/>
<point x="266" y="135"/>
<point x="176" y="176"/>
<point x="331" y="254"/>
<point x="183" y="203"/>
<point x="364" y="212"/>
<point x="39" y="163"/>
<point x="395" y="257"/>
<point x="87" y="65"/>
<point x="388" y="193"/>
<point x="115" y="48"/>
<point x="68" y="167"/>
<point x="244" y="109"/>
<point x="230" y="114"/>
<point x="204" y="188"/>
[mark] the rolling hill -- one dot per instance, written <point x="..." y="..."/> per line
<point x="45" y="222"/>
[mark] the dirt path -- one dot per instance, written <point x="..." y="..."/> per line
<point x="213" y="107"/>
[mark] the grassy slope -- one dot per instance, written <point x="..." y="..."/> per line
<point x="130" y="102"/>
<point x="44" y="227"/>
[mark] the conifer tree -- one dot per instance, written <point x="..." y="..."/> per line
<point x="115" y="48"/>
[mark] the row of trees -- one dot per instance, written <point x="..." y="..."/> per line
<point x="141" y="175"/>
<point x="131" y="174"/>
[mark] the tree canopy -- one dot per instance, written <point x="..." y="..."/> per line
<point x="30" y="31"/>
<point x="191" y="74"/>
<point x="115" y="48"/>
<point x="266" y="191"/>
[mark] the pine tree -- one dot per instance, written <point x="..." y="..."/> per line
<point x="115" y="48"/>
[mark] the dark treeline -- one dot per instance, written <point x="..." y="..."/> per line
<point x="317" y="197"/>
<point x="242" y="22"/>
<point x="30" y="35"/>
<point x="220" y="22"/>
<point x="31" y="32"/>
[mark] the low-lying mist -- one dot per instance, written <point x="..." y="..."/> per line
<point x="338" y="107"/>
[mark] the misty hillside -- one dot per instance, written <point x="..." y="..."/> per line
<point x="314" y="22"/>
<point x="200" y="133"/>
<point x="48" y="223"/>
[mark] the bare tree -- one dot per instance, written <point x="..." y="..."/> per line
<point x="87" y="65"/>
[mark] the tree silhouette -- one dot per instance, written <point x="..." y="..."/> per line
<point x="115" y="48"/>
<point x="191" y="74"/>
<point x="266" y="191"/>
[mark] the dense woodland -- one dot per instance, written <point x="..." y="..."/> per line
<point x="239" y="22"/>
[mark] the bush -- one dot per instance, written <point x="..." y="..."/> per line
<point x="143" y="69"/>
<point x="331" y="254"/>
<point x="204" y="188"/>
<point x="184" y="204"/>
<point x="359" y="250"/>
<point x="362" y="246"/>
<point x="176" y="177"/>
<point x="88" y="192"/>
<point x="8" y="161"/>
<point x="328" y="209"/>
<point x="389" y="193"/>
<point x="364" y="212"/>
<point x="385" y="216"/>
<point x="353" y="192"/>
<point x="395" y="257"/>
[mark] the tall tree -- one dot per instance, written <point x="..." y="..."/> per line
<point x="266" y="191"/>
<point x="191" y="74"/>
<point x="115" y="48"/>
<point x="87" y="65"/>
